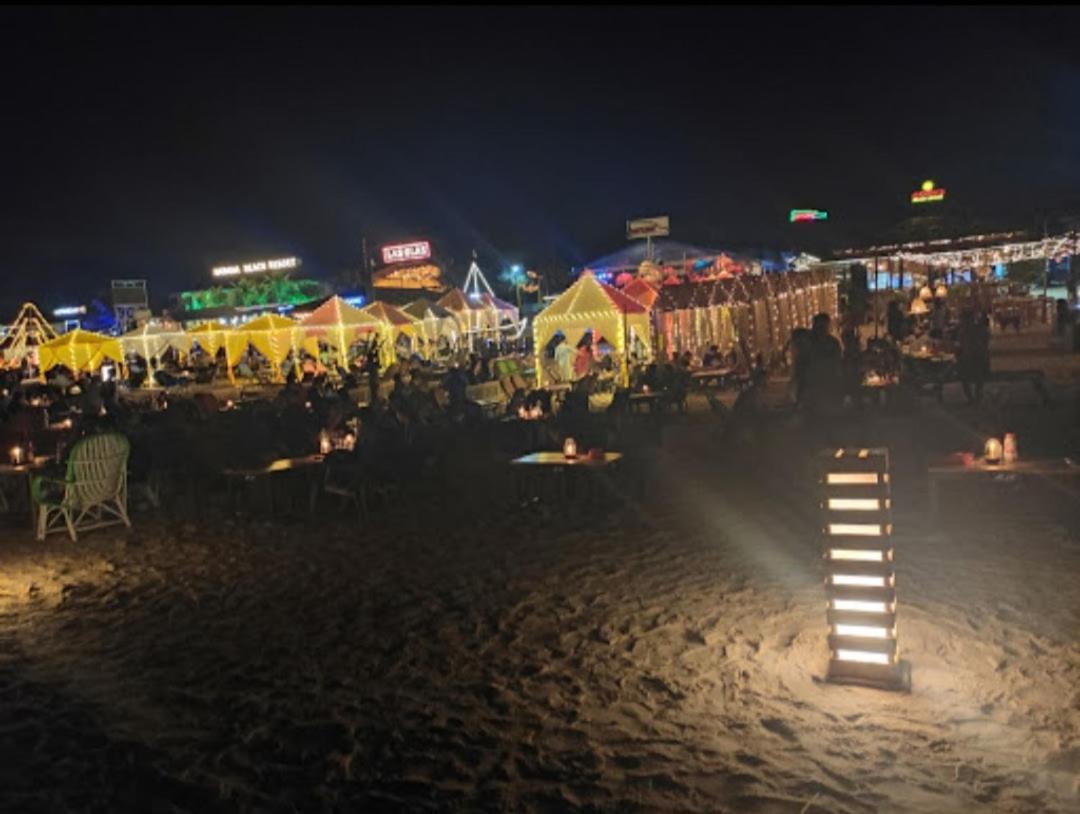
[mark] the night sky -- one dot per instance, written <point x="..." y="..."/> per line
<point x="156" y="143"/>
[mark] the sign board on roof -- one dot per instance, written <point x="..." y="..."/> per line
<point x="256" y="267"/>
<point x="406" y="252"/>
<point x="807" y="215"/>
<point x="648" y="227"/>
<point x="929" y="193"/>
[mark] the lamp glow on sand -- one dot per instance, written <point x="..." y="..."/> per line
<point x="860" y="582"/>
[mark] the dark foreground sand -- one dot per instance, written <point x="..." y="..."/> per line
<point x="462" y="655"/>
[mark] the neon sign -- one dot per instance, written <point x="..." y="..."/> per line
<point x="258" y="267"/>
<point x="807" y="215"/>
<point x="928" y="193"/>
<point x="406" y="252"/>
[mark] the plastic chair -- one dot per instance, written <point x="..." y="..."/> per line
<point x="92" y="494"/>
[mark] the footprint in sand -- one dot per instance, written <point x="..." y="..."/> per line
<point x="778" y="727"/>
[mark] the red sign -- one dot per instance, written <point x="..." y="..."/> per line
<point x="927" y="196"/>
<point x="406" y="252"/>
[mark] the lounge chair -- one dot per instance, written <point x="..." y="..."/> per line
<point x="93" y="492"/>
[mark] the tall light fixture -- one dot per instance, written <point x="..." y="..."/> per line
<point x="860" y="580"/>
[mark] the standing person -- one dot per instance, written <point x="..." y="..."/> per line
<point x="582" y="361"/>
<point x="824" y="373"/>
<point x="973" y="356"/>
<point x="896" y="322"/>
<point x="371" y="368"/>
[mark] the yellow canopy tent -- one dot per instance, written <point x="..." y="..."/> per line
<point x="339" y="324"/>
<point x="152" y="340"/>
<point x="394" y="323"/>
<point x="467" y="313"/>
<point x="436" y="323"/>
<point x="273" y="336"/>
<point x="590" y="305"/>
<point x="210" y="336"/>
<point x="79" y="350"/>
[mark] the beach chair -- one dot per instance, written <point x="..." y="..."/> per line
<point x="93" y="492"/>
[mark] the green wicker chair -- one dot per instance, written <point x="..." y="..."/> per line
<point x="92" y="494"/>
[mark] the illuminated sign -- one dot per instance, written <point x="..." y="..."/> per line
<point x="406" y="252"/>
<point x="805" y="215"/>
<point x="425" y="277"/>
<point x="928" y="194"/>
<point x="258" y="267"/>
<point x="648" y="227"/>
<point x="70" y="311"/>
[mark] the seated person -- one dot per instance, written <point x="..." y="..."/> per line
<point x="712" y="357"/>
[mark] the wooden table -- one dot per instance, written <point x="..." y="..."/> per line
<point x="310" y="465"/>
<point x="639" y="400"/>
<point x="27" y="471"/>
<point x="1045" y="468"/>
<point x="556" y="463"/>
<point x="717" y="376"/>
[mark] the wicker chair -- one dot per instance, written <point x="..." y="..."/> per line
<point x="92" y="494"/>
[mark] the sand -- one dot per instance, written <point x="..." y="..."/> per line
<point x="461" y="654"/>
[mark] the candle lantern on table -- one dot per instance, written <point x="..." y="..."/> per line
<point x="993" y="452"/>
<point x="860" y="580"/>
<point x="16" y="455"/>
<point x="325" y="445"/>
<point x="1008" y="448"/>
<point x="569" y="448"/>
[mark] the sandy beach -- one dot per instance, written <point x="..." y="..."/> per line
<point x="460" y="653"/>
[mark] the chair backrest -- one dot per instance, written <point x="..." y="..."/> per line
<point x="97" y="469"/>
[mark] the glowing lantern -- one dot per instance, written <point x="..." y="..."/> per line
<point x="941" y="292"/>
<point x="16" y="455"/>
<point x="860" y="581"/>
<point x="349" y="442"/>
<point x="925" y="294"/>
<point x="325" y="446"/>
<point x="918" y="306"/>
<point x="536" y="412"/>
<point x="645" y="389"/>
<point x="993" y="451"/>
<point x="522" y="412"/>
<point x="1008" y="448"/>
<point x="569" y="448"/>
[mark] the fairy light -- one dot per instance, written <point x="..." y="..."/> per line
<point x="860" y="582"/>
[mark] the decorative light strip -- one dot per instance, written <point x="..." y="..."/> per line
<point x="862" y="606"/>
<point x="863" y="631"/>
<point x="861" y="581"/>
<point x="855" y="504"/>
<point x="855" y="529"/>
<point x="855" y="478"/>
<point x="862" y="657"/>
<point x="857" y="555"/>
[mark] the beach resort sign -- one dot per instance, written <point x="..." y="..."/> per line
<point x="659" y="226"/>
<point x="257" y="267"/>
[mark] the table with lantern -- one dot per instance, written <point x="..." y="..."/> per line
<point x="966" y="468"/>
<point x="26" y="469"/>
<point x="561" y="467"/>
<point x="309" y="467"/>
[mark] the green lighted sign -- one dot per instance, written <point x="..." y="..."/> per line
<point x="806" y="215"/>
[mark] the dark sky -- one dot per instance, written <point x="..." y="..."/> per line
<point x="156" y="143"/>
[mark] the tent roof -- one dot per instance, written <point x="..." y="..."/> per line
<point x="588" y="295"/>
<point x="154" y="329"/>
<point x="495" y="302"/>
<point x="335" y="311"/>
<point x="421" y="309"/>
<point x="455" y="300"/>
<point x="389" y="314"/>
<point x="641" y="291"/>
<point x="268" y="322"/>
<point x="77" y="337"/>
<point x="28" y="317"/>
<point x="664" y="251"/>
